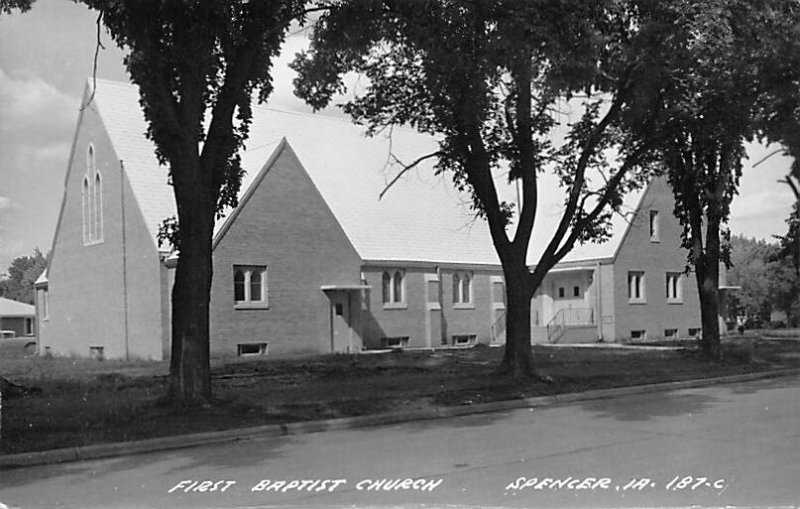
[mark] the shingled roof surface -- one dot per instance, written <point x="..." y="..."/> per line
<point x="420" y="218"/>
<point x="15" y="308"/>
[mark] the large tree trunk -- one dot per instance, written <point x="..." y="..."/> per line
<point x="518" y="356"/>
<point x="707" y="273"/>
<point x="190" y="380"/>
<point x="708" y="289"/>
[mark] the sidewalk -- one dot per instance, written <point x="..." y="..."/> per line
<point x="298" y="428"/>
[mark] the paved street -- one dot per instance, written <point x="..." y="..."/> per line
<point x="714" y="446"/>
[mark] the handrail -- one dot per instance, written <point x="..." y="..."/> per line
<point x="568" y="317"/>
<point x="556" y="327"/>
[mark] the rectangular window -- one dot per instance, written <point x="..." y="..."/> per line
<point x="462" y="289"/>
<point x="654" y="230"/>
<point x="670" y="333"/>
<point x="246" y="349"/>
<point x="393" y="288"/>
<point x="639" y="334"/>
<point x="250" y="286"/>
<point x="576" y="291"/>
<point x="636" y="287"/>
<point x="433" y="291"/>
<point x="395" y="342"/>
<point x="498" y="292"/>
<point x="562" y="292"/>
<point x="29" y="326"/>
<point x="674" y="288"/>
<point x="464" y="339"/>
<point x="96" y="353"/>
<point x="694" y="332"/>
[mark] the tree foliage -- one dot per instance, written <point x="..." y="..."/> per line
<point x="768" y="280"/>
<point x="717" y="77"/>
<point x="9" y="6"/>
<point x="198" y="66"/>
<point x="21" y="274"/>
<point x="487" y="80"/>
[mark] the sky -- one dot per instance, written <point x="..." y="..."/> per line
<point x="46" y="57"/>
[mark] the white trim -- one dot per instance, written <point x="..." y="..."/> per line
<point x="654" y="226"/>
<point x="461" y="299"/>
<point x="676" y="278"/>
<point x="637" y="278"/>
<point x="393" y="301"/>
<point x="247" y="272"/>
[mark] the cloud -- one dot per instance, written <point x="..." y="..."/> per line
<point x="33" y="110"/>
<point x="5" y="203"/>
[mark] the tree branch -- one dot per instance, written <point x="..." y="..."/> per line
<point x="407" y="167"/>
<point x="97" y="48"/>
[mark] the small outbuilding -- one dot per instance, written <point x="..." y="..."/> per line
<point x="17" y="319"/>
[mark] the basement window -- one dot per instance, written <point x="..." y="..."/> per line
<point x="639" y="334"/>
<point x="694" y="332"/>
<point x="670" y="333"/>
<point x="395" y="342"/>
<point x="247" y="349"/>
<point x="96" y="353"/>
<point x="464" y="339"/>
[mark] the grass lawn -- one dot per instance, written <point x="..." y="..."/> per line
<point x="87" y="402"/>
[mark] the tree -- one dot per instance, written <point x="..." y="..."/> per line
<point x="752" y="270"/>
<point x="716" y="81"/>
<point x="768" y="279"/>
<point x="197" y="61"/>
<point x="779" y="114"/>
<point x="8" y="6"/>
<point x="22" y="273"/>
<point x="486" y="79"/>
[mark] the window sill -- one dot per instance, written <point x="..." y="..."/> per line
<point x="675" y="302"/>
<point x="637" y="302"/>
<point x="395" y="305"/>
<point x="464" y="306"/>
<point x="92" y="243"/>
<point x="434" y="306"/>
<point x="655" y="241"/>
<point x="251" y="305"/>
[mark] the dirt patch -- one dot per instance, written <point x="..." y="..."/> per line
<point x="86" y="402"/>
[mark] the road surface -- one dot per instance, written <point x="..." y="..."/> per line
<point x="715" y="446"/>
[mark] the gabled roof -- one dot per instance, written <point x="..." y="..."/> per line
<point x="14" y="308"/>
<point x="420" y="218"/>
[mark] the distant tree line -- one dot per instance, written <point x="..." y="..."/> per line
<point x="769" y="279"/>
<point x="16" y="283"/>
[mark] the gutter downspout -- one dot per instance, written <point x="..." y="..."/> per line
<point x="599" y="299"/>
<point x="124" y="260"/>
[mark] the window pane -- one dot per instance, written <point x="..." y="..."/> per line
<point x="465" y="288"/>
<point x="398" y="287"/>
<point x="238" y="285"/>
<point x="433" y="291"/>
<point x="86" y="214"/>
<point x="498" y="292"/>
<point x="255" y="286"/>
<point x="456" y="289"/>
<point x="387" y="284"/>
<point x="98" y="207"/>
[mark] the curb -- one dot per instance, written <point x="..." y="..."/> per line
<point x="116" y="449"/>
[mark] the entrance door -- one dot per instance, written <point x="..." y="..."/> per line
<point x="340" y="322"/>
